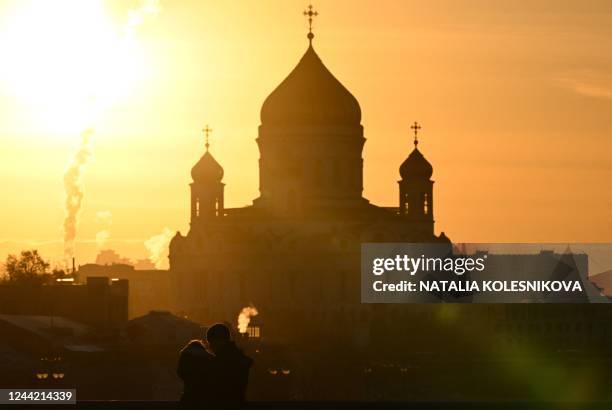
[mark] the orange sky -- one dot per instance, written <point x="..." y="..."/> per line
<point x="515" y="103"/>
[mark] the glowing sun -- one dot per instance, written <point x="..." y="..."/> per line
<point x="63" y="60"/>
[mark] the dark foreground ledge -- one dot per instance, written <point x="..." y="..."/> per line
<point x="297" y="405"/>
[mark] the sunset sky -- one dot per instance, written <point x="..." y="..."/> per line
<point x="515" y="102"/>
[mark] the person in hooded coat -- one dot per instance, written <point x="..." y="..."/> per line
<point x="231" y="368"/>
<point x="195" y="368"/>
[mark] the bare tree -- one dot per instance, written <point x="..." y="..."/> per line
<point x="27" y="268"/>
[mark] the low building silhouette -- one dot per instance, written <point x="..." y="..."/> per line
<point x="99" y="302"/>
<point x="148" y="290"/>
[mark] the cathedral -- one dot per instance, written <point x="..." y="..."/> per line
<point x="295" y="255"/>
<point x="295" y="252"/>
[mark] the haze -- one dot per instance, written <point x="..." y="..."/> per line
<point x="515" y="103"/>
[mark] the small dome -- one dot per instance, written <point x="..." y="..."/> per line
<point x="176" y="240"/>
<point x="416" y="166"/>
<point x="207" y="169"/>
<point x="312" y="96"/>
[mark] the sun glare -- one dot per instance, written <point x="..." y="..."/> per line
<point x="64" y="61"/>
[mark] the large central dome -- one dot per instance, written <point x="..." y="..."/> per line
<point x="310" y="96"/>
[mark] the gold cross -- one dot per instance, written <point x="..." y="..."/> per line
<point x="416" y="127"/>
<point x="310" y="13"/>
<point x="207" y="130"/>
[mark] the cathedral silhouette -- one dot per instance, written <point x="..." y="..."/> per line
<point x="297" y="247"/>
<point x="295" y="254"/>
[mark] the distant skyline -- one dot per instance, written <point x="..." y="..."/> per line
<point x="514" y="100"/>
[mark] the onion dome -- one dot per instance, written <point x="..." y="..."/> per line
<point x="416" y="166"/>
<point x="310" y="96"/>
<point x="207" y="169"/>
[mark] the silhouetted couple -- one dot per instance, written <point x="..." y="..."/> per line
<point x="215" y="373"/>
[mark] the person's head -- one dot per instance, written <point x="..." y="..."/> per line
<point x="217" y="336"/>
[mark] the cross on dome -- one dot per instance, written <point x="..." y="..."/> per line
<point x="207" y="130"/>
<point x="310" y="13"/>
<point x="416" y="127"/>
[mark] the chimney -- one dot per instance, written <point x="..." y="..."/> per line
<point x="73" y="266"/>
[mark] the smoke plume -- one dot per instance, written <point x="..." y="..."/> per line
<point x="244" y="318"/>
<point x="102" y="238"/>
<point x="72" y="177"/>
<point x="157" y="246"/>
<point x="74" y="193"/>
<point x="105" y="219"/>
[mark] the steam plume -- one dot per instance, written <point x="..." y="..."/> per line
<point x="72" y="177"/>
<point x="104" y="218"/>
<point x="244" y="318"/>
<point x="157" y="246"/>
<point x="74" y="193"/>
<point x="102" y="238"/>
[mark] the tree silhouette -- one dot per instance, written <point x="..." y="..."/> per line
<point x="27" y="268"/>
